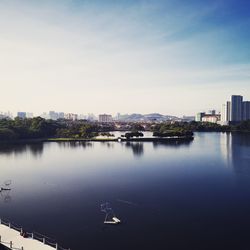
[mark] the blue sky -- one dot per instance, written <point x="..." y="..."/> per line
<point x="174" y="56"/>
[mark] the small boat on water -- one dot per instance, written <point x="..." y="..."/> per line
<point x="110" y="217"/>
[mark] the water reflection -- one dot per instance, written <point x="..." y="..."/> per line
<point x="157" y="144"/>
<point x="241" y="153"/>
<point x="235" y="148"/>
<point x="137" y="147"/>
<point x="108" y="144"/>
<point x="36" y="149"/>
<point x="226" y="148"/>
<point x="185" y="184"/>
<point x="76" y="144"/>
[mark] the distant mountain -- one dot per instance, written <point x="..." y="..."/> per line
<point x="147" y="117"/>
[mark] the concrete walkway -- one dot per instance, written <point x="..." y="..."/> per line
<point x="18" y="242"/>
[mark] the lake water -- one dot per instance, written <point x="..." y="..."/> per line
<point x="168" y="196"/>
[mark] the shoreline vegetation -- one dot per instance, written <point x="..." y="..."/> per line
<point x="40" y="130"/>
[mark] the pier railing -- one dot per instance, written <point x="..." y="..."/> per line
<point x="36" y="236"/>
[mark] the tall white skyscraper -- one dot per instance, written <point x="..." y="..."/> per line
<point x="228" y="111"/>
<point x="225" y="113"/>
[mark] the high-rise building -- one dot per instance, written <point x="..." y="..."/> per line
<point x="29" y="115"/>
<point x="212" y="118"/>
<point x="105" y="118"/>
<point x="44" y="115"/>
<point x="212" y="112"/>
<point x="225" y="113"/>
<point x="71" y="116"/>
<point x="82" y="117"/>
<point x="118" y="116"/>
<point x="61" y="115"/>
<point x="228" y="111"/>
<point x="53" y="115"/>
<point x="3" y="116"/>
<point x="21" y="115"/>
<point x="246" y="110"/>
<point x="236" y="108"/>
<point x="6" y="115"/>
<point x="199" y="116"/>
<point x="91" y="117"/>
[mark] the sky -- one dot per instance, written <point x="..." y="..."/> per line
<point x="173" y="57"/>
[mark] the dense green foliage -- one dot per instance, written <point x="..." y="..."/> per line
<point x="40" y="128"/>
<point x="243" y="127"/>
<point x="108" y="134"/>
<point x="27" y="128"/>
<point x="133" y="134"/>
<point x="137" y="127"/>
<point x="170" y="133"/>
<point x="185" y="127"/>
<point x="78" y="130"/>
<point x="166" y="130"/>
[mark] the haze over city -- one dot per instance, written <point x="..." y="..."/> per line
<point x="171" y="57"/>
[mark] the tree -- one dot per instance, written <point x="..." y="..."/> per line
<point x="133" y="134"/>
<point x="7" y="134"/>
<point x="137" y="127"/>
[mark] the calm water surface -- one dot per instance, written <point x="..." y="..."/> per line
<point x="168" y="196"/>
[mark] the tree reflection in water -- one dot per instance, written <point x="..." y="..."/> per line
<point x="171" y="144"/>
<point x="36" y="149"/>
<point x="75" y="144"/>
<point x="137" y="147"/>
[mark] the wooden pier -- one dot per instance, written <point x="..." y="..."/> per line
<point x="11" y="238"/>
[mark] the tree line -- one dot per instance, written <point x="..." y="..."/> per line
<point x="32" y="128"/>
<point x="186" y="128"/>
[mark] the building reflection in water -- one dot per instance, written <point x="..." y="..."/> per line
<point x="226" y="148"/>
<point x="236" y="150"/>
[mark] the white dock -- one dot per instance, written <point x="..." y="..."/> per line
<point x="11" y="238"/>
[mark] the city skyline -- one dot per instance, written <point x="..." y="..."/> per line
<point x="237" y="109"/>
<point x="170" y="57"/>
<point x="51" y="113"/>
